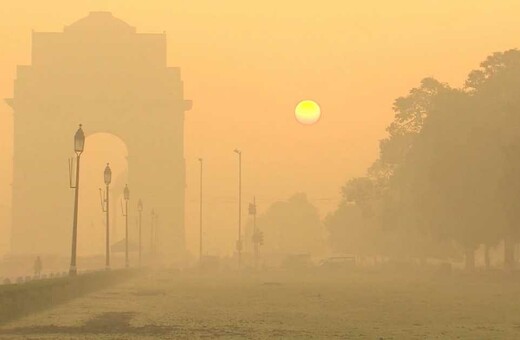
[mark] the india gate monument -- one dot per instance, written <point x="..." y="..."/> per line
<point x="101" y="73"/>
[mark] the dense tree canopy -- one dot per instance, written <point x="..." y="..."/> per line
<point x="292" y="227"/>
<point x="448" y="172"/>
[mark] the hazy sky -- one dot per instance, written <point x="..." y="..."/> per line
<point x="246" y="65"/>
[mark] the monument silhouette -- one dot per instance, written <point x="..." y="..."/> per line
<point x="99" y="72"/>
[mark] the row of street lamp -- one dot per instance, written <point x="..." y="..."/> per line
<point x="79" y="146"/>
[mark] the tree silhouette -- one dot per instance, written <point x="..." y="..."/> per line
<point x="292" y="226"/>
<point x="449" y="169"/>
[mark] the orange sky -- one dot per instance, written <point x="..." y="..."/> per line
<point x="246" y="66"/>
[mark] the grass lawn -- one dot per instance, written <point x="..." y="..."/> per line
<point x="282" y="305"/>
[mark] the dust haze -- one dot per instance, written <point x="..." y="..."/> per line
<point x="239" y="170"/>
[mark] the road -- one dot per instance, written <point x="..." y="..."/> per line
<point x="172" y="305"/>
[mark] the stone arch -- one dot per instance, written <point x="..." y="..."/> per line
<point x="102" y="74"/>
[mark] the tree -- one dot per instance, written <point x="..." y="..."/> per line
<point x="346" y="226"/>
<point x="373" y="210"/>
<point x="495" y="88"/>
<point x="449" y="169"/>
<point x="410" y="114"/>
<point x="292" y="226"/>
<point x="353" y="227"/>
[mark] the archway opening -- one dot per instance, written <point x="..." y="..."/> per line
<point x="100" y="149"/>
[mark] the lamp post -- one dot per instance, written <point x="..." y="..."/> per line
<point x="140" y="210"/>
<point x="79" y="146"/>
<point x="105" y="205"/>
<point x="239" y="242"/>
<point x="152" y="245"/>
<point x="200" y="212"/>
<point x="252" y="211"/>
<point x="126" y="194"/>
<point x="157" y="237"/>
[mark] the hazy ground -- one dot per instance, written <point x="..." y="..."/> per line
<point x="362" y="305"/>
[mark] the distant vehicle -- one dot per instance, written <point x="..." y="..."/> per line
<point x="338" y="262"/>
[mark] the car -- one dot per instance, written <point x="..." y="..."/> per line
<point x="338" y="262"/>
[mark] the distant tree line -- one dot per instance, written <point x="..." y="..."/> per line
<point x="291" y="226"/>
<point x="447" y="179"/>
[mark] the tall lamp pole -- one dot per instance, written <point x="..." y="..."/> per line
<point x="140" y="209"/>
<point x="126" y="194"/>
<point x="79" y="146"/>
<point x="157" y="237"/>
<point x="105" y="205"/>
<point x="152" y="231"/>
<point x="252" y="211"/>
<point x="239" y="242"/>
<point x="200" y="211"/>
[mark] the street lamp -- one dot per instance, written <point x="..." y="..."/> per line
<point x="79" y="146"/>
<point x="152" y="234"/>
<point x="252" y="211"/>
<point x="140" y="210"/>
<point x="157" y="237"/>
<point x="105" y="206"/>
<point x="239" y="242"/>
<point x="200" y="211"/>
<point x="126" y="195"/>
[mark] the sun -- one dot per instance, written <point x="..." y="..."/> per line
<point x="307" y="112"/>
